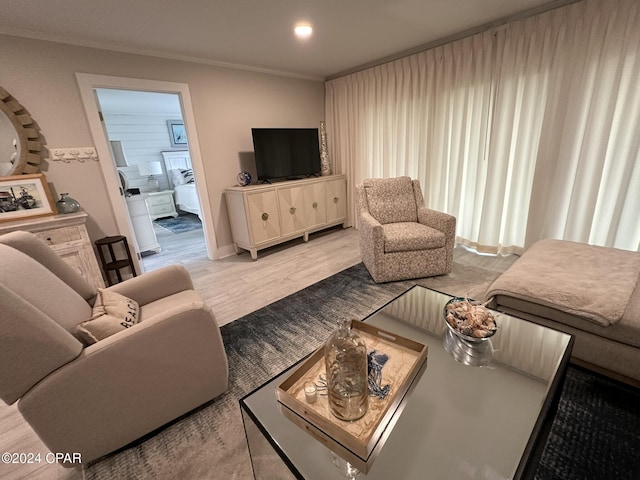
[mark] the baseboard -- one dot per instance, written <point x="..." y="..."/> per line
<point x="225" y="251"/>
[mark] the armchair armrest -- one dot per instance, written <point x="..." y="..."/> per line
<point x="444" y="223"/>
<point x="441" y="221"/>
<point x="371" y="241"/>
<point x="155" y="285"/>
<point x="372" y="234"/>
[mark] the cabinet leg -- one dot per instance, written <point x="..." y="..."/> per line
<point x="305" y="237"/>
<point x="254" y="254"/>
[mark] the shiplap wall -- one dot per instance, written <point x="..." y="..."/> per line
<point x="143" y="137"/>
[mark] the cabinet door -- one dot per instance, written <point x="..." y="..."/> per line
<point x="336" y="199"/>
<point x="292" y="209"/>
<point x="263" y="216"/>
<point x="82" y="260"/>
<point x="315" y="205"/>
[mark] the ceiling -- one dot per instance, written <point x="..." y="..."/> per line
<point x="258" y="34"/>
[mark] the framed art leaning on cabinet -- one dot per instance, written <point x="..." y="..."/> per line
<point x="24" y="196"/>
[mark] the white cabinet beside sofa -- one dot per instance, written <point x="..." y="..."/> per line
<point x="67" y="236"/>
<point x="264" y="215"/>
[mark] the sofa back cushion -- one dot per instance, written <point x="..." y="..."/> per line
<point x="391" y="200"/>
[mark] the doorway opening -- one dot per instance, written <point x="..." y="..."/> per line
<point x="150" y="151"/>
<point x="88" y="83"/>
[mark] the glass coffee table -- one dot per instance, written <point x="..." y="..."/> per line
<point x="476" y="411"/>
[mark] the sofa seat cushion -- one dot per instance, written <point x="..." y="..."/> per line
<point x="589" y="282"/>
<point x="391" y="200"/>
<point x="410" y="237"/>
<point x="626" y="331"/>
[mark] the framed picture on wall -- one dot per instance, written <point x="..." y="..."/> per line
<point x="177" y="133"/>
<point x="24" y="196"/>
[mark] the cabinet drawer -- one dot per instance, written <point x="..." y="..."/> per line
<point x="162" y="208"/>
<point x="59" y="236"/>
<point x="157" y="200"/>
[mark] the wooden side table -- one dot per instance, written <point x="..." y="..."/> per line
<point x="114" y="264"/>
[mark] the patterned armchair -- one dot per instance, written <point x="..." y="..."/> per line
<point x="399" y="237"/>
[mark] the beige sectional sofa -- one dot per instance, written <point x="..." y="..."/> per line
<point x="588" y="291"/>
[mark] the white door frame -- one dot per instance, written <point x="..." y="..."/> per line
<point x="87" y="83"/>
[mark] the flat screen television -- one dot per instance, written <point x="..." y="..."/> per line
<point x="286" y="153"/>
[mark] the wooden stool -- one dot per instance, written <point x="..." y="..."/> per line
<point x="114" y="264"/>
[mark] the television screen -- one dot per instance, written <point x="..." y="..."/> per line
<point x="286" y="152"/>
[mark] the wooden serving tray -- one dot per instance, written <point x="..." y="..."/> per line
<point x="406" y="361"/>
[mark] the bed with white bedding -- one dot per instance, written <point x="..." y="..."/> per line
<point x="186" y="198"/>
<point x="181" y="180"/>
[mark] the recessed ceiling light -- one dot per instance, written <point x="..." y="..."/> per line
<point x="303" y="30"/>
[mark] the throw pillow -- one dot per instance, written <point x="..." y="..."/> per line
<point x="177" y="178"/>
<point x="112" y="313"/>
<point x="188" y="176"/>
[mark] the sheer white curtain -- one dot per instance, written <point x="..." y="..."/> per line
<point x="527" y="131"/>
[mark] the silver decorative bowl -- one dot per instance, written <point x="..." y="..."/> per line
<point x="457" y="332"/>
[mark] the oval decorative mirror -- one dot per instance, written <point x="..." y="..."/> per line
<point x="21" y="148"/>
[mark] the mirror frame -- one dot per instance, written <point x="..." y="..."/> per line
<point x="32" y="151"/>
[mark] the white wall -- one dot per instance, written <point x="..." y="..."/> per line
<point x="144" y="138"/>
<point x="226" y="103"/>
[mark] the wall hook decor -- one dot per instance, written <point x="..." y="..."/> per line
<point x="78" y="154"/>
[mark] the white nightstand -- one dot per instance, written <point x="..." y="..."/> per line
<point x="161" y="204"/>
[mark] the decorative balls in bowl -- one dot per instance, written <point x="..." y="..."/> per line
<point x="469" y="320"/>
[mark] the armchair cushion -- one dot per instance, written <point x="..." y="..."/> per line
<point x="27" y="278"/>
<point x="112" y="313"/>
<point x="31" y="245"/>
<point x="391" y="200"/>
<point x="409" y="237"/>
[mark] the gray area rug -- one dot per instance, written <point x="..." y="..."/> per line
<point x="209" y="443"/>
<point x="185" y="222"/>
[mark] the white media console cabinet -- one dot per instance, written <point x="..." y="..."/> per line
<point x="264" y="215"/>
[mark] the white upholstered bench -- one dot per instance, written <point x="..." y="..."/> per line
<point x="588" y="291"/>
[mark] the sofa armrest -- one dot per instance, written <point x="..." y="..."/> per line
<point x="130" y="384"/>
<point x="155" y="285"/>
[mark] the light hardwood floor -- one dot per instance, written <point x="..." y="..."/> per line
<point x="233" y="287"/>
<point x="236" y="285"/>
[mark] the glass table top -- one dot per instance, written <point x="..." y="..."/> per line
<point x="470" y="415"/>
